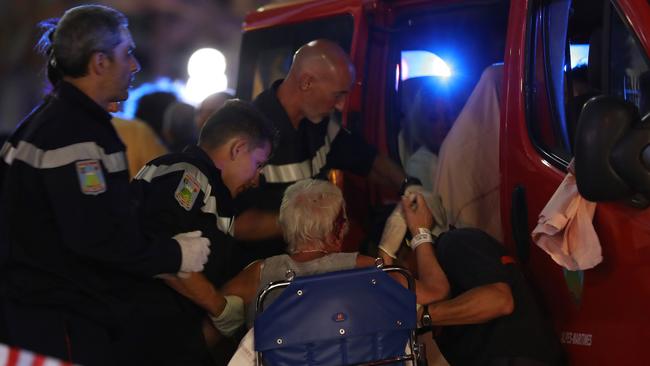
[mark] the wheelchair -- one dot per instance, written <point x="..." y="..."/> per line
<point x="354" y="317"/>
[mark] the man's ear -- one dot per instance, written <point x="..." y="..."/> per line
<point x="238" y="145"/>
<point x="306" y="81"/>
<point x="98" y="63"/>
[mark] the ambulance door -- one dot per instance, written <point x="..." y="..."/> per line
<point x="558" y="55"/>
<point x="424" y="60"/>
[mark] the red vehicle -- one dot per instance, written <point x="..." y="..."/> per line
<point x="556" y="54"/>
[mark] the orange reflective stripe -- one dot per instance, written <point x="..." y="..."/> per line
<point x="506" y="259"/>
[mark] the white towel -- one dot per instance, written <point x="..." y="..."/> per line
<point x="468" y="178"/>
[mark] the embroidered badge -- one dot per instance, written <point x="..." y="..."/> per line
<point x="91" y="177"/>
<point x="187" y="191"/>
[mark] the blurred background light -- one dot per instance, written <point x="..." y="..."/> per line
<point x="579" y="55"/>
<point x="197" y="88"/>
<point x="206" y="61"/>
<point x="423" y="63"/>
<point x="161" y="84"/>
<point x="206" y="68"/>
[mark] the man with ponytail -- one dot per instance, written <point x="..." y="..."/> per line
<point x="71" y="243"/>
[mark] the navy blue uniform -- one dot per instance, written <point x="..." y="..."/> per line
<point x="72" y="236"/>
<point x="177" y="193"/>
<point x="308" y="152"/>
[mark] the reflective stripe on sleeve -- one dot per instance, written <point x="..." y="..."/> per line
<point x="7" y="153"/>
<point x="56" y="158"/>
<point x="287" y="173"/>
<point x="150" y="172"/>
<point x="224" y="224"/>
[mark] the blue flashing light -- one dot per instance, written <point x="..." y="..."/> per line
<point x="423" y="63"/>
<point x="579" y="55"/>
<point x="161" y="84"/>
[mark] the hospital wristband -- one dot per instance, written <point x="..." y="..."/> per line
<point x="423" y="236"/>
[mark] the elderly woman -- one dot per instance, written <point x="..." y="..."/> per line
<point x="314" y="223"/>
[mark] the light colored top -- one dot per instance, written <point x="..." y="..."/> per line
<point x="423" y="165"/>
<point x="142" y="143"/>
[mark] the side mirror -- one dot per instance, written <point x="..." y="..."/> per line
<point x="612" y="152"/>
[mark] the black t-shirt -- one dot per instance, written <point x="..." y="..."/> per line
<point x="471" y="258"/>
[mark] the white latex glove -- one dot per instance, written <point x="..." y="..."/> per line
<point x="394" y="231"/>
<point x="434" y="202"/>
<point x="194" y="251"/>
<point x="232" y="316"/>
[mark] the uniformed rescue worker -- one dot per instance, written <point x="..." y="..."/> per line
<point x="72" y="237"/>
<point x="177" y="192"/>
<point x="310" y="144"/>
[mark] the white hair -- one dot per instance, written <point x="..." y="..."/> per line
<point x="307" y="213"/>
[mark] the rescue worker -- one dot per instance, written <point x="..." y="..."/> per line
<point x="310" y="144"/>
<point x="180" y="191"/>
<point x="72" y="239"/>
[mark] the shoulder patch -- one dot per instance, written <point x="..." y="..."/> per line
<point x="91" y="177"/>
<point x="187" y="191"/>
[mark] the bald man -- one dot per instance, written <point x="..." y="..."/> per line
<point x="311" y="144"/>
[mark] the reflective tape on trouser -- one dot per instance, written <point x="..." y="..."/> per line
<point x="56" y="158"/>
<point x="150" y="172"/>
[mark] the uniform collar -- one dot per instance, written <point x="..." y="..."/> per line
<point x="269" y="100"/>
<point x="214" y="173"/>
<point x="271" y="104"/>
<point x="71" y="93"/>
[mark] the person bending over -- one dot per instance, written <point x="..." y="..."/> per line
<point x="491" y="317"/>
<point x="195" y="188"/>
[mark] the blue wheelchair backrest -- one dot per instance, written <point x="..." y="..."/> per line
<point x="337" y="318"/>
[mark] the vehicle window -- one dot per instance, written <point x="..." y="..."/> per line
<point x="547" y="97"/>
<point x="628" y="69"/>
<point x="426" y="114"/>
<point x="267" y="53"/>
<point x="436" y="63"/>
<point x="570" y="43"/>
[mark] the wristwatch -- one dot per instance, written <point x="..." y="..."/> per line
<point x="425" y="321"/>
<point x="426" y="318"/>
